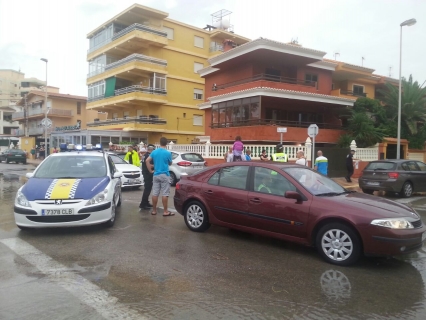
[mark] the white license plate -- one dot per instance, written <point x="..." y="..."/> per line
<point x="17" y="155"/>
<point x="424" y="236"/>
<point x="133" y="181"/>
<point x="55" y="212"/>
<point x="373" y="183"/>
<point x="198" y="167"/>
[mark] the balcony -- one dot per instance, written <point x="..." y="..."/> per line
<point x="274" y="122"/>
<point x="214" y="47"/>
<point x="347" y="94"/>
<point x="39" y="113"/>
<point x="127" y="65"/>
<point x="126" y="120"/>
<point x="131" y="38"/>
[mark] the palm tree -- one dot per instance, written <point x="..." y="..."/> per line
<point x="413" y="104"/>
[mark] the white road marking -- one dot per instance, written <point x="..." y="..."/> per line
<point x="90" y="294"/>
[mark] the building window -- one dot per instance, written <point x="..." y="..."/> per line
<point x="358" y="90"/>
<point x="198" y="42"/>
<point x="78" y="107"/>
<point x="170" y="33"/>
<point x="96" y="89"/>
<point x="197" y="120"/>
<point x="198" y="94"/>
<point x="115" y="115"/>
<point x="184" y="115"/>
<point x="311" y="77"/>
<point x="198" y="66"/>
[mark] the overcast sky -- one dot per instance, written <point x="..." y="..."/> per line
<point x="56" y="30"/>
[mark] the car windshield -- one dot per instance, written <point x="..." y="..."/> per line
<point x="71" y="166"/>
<point x="381" y="166"/>
<point x="314" y="182"/>
<point x="117" y="159"/>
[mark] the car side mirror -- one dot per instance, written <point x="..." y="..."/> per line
<point x="29" y="175"/>
<point x="293" y="195"/>
<point x="118" y="175"/>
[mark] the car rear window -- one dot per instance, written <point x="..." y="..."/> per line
<point x="381" y="166"/>
<point x="193" y="157"/>
<point x="17" y="151"/>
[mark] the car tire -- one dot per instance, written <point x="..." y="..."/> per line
<point x="111" y="221"/>
<point x="368" y="191"/>
<point x="23" y="228"/>
<point x="407" y="190"/>
<point x="119" y="199"/>
<point x="196" y="217"/>
<point x="7" y="160"/>
<point x="335" y="249"/>
<point x="173" y="179"/>
<point x="24" y="162"/>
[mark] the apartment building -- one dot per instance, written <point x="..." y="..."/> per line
<point x="10" y="82"/>
<point x="143" y="72"/>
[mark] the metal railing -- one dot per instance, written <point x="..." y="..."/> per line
<point x="266" y="77"/>
<point x="216" y="47"/>
<point x="351" y="93"/>
<point x="39" y="111"/>
<point x="95" y="98"/>
<point x="137" y="119"/>
<point x="272" y="122"/>
<point x="139" y="88"/>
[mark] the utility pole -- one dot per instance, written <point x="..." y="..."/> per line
<point x="26" y="117"/>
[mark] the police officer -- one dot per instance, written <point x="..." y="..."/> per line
<point x="148" y="178"/>
<point x="279" y="156"/>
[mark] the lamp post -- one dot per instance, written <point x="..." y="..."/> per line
<point x="407" y="23"/>
<point x="45" y="113"/>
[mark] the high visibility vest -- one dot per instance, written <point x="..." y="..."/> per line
<point x="280" y="157"/>
<point x="263" y="186"/>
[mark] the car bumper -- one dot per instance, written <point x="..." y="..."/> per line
<point x="128" y="183"/>
<point x="391" y="185"/>
<point x="178" y="204"/>
<point x="83" y="215"/>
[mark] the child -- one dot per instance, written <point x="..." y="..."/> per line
<point x="237" y="149"/>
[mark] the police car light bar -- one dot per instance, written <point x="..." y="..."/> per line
<point x="71" y="146"/>
<point x="89" y="147"/>
<point x="78" y="147"/>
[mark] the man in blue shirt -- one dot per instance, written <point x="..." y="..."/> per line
<point x="161" y="158"/>
<point x="321" y="163"/>
<point x="248" y="152"/>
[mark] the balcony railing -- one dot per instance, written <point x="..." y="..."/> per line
<point x="272" y="122"/>
<point x="266" y="77"/>
<point x="216" y="47"/>
<point x="40" y="112"/>
<point x="138" y="119"/>
<point x="139" y="88"/>
<point x="95" y="98"/>
<point x="351" y="93"/>
<point x="131" y="58"/>
<point x="135" y="26"/>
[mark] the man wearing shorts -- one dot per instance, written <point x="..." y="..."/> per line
<point x="161" y="158"/>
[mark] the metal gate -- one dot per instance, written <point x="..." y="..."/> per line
<point x="336" y="160"/>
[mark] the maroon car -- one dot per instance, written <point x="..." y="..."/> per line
<point x="295" y="203"/>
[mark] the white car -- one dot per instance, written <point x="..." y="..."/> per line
<point x="132" y="175"/>
<point x="70" y="189"/>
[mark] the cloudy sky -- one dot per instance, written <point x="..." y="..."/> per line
<point x="56" y="30"/>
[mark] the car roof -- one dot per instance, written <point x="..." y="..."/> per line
<point x="393" y="160"/>
<point x="81" y="153"/>
<point x="184" y="152"/>
<point x="279" y="165"/>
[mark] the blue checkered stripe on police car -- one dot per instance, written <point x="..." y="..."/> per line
<point x="74" y="188"/>
<point x="49" y="191"/>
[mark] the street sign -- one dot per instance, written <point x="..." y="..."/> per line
<point x="313" y="130"/>
<point x="281" y="130"/>
<point x="46" y="122"/>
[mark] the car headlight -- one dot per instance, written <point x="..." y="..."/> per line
<point x="393" y="223"/>
<point x="22" y="200"/>
<point x="99" y="198"/>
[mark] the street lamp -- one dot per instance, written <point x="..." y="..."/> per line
<point x="407" y="23"/>
<point x="45" y="113"/>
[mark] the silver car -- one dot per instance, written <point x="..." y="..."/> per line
<point x="185" y="163"/>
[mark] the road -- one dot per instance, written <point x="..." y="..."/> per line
<point x="153" y="267"/>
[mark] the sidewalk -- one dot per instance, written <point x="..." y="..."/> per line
<point x="34" y="162"/>
<point x="348" y="185"/>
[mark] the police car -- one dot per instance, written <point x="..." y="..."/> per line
<point x="74" y="188"/>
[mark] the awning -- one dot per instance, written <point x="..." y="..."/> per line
<point x="110" y="87"/>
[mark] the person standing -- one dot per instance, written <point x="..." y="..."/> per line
<point x="162" y="158"/>
<point x="237" y="149"/>
<point x="350" y="165"/>
<point x="33" y="152"/>
<point x="147" y="178"/>
<point x="229" y="156"/>
<point x="321" y="163"/>
<point x="279" y="156"/>
<point x="132" y="157"/>
<point x="248" y="157"/>
<point x="301" y="158"/>
<point x="264" y="156"/>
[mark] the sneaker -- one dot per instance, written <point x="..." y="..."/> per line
<point x="146" y="206"/>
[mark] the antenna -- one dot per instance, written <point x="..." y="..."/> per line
<point x="390" y="71"/>
<point x="336" y="54"/>
<point x="222" y="20"/>
<point x="362" y="61"/>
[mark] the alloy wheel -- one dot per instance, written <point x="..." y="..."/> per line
<point x="337" y="245"/>
<point x="195" y="216"/>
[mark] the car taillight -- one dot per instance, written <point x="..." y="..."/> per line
<point x="177" y="186"/>
<point x="205" y="163"/>
<point x="184" y="163"/>
<point x="393" y="175"/>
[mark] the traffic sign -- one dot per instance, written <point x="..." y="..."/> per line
<point x="313" y="130"/>
<point x="281" y="130"/>
<point x="46" y="122"/>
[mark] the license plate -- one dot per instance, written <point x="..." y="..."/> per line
<point x="54" y="212"/>
<point x="17" y="155"/>
<point x="373" y="183"/>
<point x="198" y="167"/>
<point x="424" y="236"/>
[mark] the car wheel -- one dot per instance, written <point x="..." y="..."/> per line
<point x="196" y="217"/>
<point x="407" y="190"/>
<point x="173" y="179"/>
<point x="368" y="191"/>
<point x="111" y="221"/>
<point x="24" y="228"/>
<point x="338" y="244"/>
<point x="7" y="160"/>
<point x="24" y="162"/>
<point x="119" y="199"/>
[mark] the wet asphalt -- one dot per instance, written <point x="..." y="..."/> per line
<point x="152" y="267"/>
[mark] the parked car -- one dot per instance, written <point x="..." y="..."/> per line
<point x="395" y="176"/>
<point x="185" y="163"/>
<point x="69" y="189"/>
<point x="295" y="203"/>
<point x="14" y="155"/>
<point x="132" y="175"/>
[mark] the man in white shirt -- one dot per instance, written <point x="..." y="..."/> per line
<point x="301" y="158"/>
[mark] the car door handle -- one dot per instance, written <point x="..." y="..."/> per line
<point x="255" y="200"/>
<point x="208" y="191"/>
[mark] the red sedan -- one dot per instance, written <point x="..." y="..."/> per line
<point x="295" y="203"/>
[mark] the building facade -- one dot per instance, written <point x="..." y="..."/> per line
<point x="10" y="82"/>
<point x="143" y="73"/>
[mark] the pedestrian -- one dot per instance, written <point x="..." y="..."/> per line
<point x="264" y="156"/>
<point x="321" y="163"/>
<point x="350" y="165"/>
<point x="301" y="158"/>
<point x="41" y="152"/>
<point x="237" y="149"/>
<point x="33" y="152"/>
<point x="132" y="157"/>
<point x="142" y="153"/>
<point x="147" y="177"/>
<point x="161" y="158"/>
<point x="248" y="157"/>
<point x="55" y="150"/>
<point x="279" y="155"/>
<point x="229" y="156"/>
